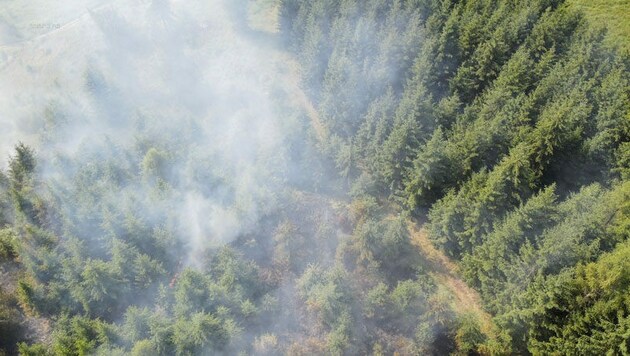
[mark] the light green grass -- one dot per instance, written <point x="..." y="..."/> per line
<point x="613" y="14"/>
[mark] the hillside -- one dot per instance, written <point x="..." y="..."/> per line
<point x="492" y="131"/>
<point x="315" y="177"/>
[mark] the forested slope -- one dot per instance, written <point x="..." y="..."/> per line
<point x="506" y="124"/>
<point x="413" y="177"/>
<point x="194" y="213"/>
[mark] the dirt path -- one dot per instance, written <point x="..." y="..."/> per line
<point x="262" y="31"/>
<point x="292" y="81"/>
<point x="444" y="271"/>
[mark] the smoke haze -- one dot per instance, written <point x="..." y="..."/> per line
<point x="143" y="76"/>
<point x="183" y="177"/>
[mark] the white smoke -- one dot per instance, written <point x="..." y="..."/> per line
<point x="122" y="77"/>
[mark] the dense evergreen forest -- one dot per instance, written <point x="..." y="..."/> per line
<point x="506" y="125"/>
<point x="334" y="177"/>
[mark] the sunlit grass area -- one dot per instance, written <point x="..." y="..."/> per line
<point x="614" y="14"/>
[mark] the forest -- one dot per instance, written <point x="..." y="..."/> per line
<point x="322" y="177"/>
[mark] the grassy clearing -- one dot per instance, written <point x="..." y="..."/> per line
<point x="612" y="14"/>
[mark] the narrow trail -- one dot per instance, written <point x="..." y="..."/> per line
<point x="265" y="35"/>
<point x="465" y="299"/>
<point x="292" y="81"/>
<point x="444" y="271"/>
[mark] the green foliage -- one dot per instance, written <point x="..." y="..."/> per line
<point x="155" y="168"/>
<point x="469" y="336"/>
<point x="143" y="348"/>
<point x="325" y="294"/>
<point x="5" y="200"/>
<point x="79" y="335"/>
<point x="199" y="334"/>
<point x="504" y="123"/>
<point x="509" y="125"/>
<point x="192" y="293"/>
<point x="10" y="327"/>
<point x="235" y="274"/>
<point x="384" y="243"/>
<point x="137" y="325"/>
<point x="99" y="289"/>
<point x="21" y="166"/>
<point x="8" y="244"/>
<point x="430" y="173"/>
<point x="623" y="160"/>
<point x="586" y="310"/>
<point x="22" y="183"/>
<point x="33" y="350"/>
